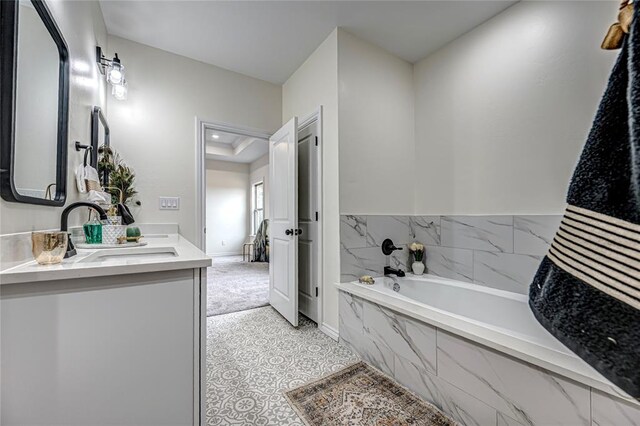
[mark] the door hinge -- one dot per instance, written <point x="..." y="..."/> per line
<point x="316" y="291"/>
<point x="316" y="141"/>
<point x="316" y="216"/>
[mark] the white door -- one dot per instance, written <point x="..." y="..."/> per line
<point x="308" y="220"/>
<point x="283" y="215"/>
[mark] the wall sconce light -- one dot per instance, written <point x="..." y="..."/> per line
<point x="114" y="71"/>
<point x="119" y="91"/>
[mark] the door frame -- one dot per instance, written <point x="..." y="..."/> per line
<point x="201" y="162"/>
<point x="201" y="187"/>
<point x="316" y="116"/>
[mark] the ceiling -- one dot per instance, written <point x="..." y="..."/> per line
<point x="269" y="40"/>
<point x="226" y="146"/>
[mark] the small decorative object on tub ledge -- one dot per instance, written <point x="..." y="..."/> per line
<point x="417" y="250"/>
<point x="367" y="279"/>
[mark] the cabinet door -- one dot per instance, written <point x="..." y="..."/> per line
<point x="113" y="350"/>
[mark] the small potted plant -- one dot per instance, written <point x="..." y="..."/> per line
<point x="417" y="250"/>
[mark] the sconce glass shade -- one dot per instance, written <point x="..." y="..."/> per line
<point x="119" y="91"/>
<point x="115" y="73"/>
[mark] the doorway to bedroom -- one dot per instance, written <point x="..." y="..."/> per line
<point x="236" y="222"/>
<point x="250" y="184"/>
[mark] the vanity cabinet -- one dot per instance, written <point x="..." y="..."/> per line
<point x="118" y="350"/>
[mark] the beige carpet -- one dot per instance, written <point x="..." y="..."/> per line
<point x="234" y="285"/>
<point x="360" y="395"/>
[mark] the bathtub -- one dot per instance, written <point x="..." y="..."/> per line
<point x="498" y="319"/>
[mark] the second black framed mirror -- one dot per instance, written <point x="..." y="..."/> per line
<point x="100" y="135"/>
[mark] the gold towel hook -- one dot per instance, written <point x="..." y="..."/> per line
<point x="48" y="194"/>
<point x="121" y="198"/>
<point x="615" y="35"/>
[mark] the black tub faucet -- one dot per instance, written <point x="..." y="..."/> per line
<point x="388" y="270"/>
<point x="64" y="219"/>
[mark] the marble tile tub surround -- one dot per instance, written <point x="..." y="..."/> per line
<point x="498" y="251"/>
<point x="473" y="384"/>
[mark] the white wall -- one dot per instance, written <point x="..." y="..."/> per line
<point x="228" y="203"/>
<point x="259" y="172"/>
<point x="503" y="112"/>
<point x="315" y="83"/>
<point x="83" y="28"/>
<point x="154" y="128"/>
<point x="376" y="129"/>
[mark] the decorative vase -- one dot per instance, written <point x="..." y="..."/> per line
<point x="417" y="267"/>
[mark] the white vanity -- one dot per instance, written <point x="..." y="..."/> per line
<point x="107" y="337"/>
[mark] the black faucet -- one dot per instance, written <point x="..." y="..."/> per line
<point x="64" y="219"/>
<point x="387" y="248"/>
<point x="388" y="270"/>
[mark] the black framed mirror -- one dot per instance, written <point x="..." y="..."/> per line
<point x="34" y="104"/>
<point x="100" y="135"/>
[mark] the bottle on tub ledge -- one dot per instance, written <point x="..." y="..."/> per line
<point x="417" y="251"/>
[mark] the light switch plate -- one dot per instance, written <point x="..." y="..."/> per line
<point x="169" y="203"/>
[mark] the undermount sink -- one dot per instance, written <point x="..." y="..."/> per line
<point x="142" y="253"/>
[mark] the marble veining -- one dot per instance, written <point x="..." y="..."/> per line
<point x="526" y="393"/>
<point x="464" y="408"/>
<point x="505" y="271"/>
<point x="353" y="231"/>
<point x="490" y="233"/>
<point x="380" y="228"/>
<point x="426" y="229"/>
<point x="415" y="342"/>
<point x="533" y="234"/>
<point x="363" y="261"/>
<point x="451" y="263"/>
<point x="607" y="411"/>
<point x="504" y="420"/>
<point x="352" y="334"/>
<point x="350" y="310"/>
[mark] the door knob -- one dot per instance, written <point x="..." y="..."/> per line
<point x="289" y="232"/>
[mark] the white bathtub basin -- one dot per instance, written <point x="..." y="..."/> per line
<point x="495" y="318"/>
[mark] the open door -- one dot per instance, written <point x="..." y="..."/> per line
<point x="283" y="218"/>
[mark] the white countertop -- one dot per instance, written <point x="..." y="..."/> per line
<point x="187" y="256"/>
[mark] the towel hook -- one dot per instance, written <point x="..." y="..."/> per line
<point x="121" y="198"/>
<point x="87" y="150"/>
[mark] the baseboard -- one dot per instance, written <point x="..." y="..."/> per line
<point x="224" y="254"/>
<point x="329" y="331"/>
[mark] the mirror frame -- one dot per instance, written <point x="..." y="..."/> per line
<point x="98" y="118"/>
<point x="8" y="69"/>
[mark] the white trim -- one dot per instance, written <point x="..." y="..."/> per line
<point x="201" y="176"/>
<point x="225" y="254"/>
<point x="330" y="331"/>
<point x="303" y="122"/>
<point x="200" y="351"/>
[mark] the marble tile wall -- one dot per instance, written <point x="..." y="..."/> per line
<point x="473" y="384"/>
<point x="497" y="251"/>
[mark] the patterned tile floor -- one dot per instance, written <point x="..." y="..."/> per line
<point x="255" y="355"/>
